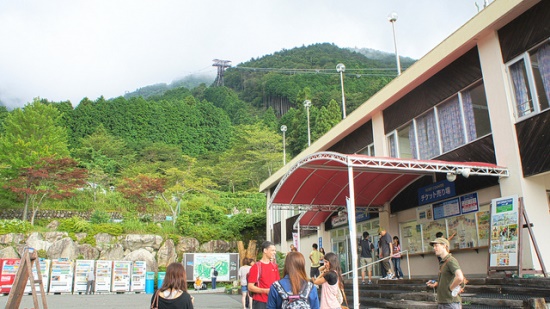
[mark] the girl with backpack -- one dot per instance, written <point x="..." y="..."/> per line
<point x="294" y="290"/>
<point x="332" y="287"/>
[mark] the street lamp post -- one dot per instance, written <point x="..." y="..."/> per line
<point x="341" y="68"/>
<point x="283" y="129"/>
<point x="392" y="18"/>
<point x="307" y="104"/>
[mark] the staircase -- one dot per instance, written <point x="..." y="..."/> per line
<point x="489" y="293"/>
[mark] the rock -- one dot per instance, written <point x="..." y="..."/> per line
<point x="215" y="246"/>
<point x="12" y="238"/>
<point x="115" y="253"/>
<point x="80" y="236"/>
<point x="143" y="255"/>
<point x="167" y="253"/>
<point x="187" y="244"/>
<point x="88" y="252"/>
<point x="54" y="236"/>
<point x="53" y="225"/>
<point x="36" y="241"/>
<point x="104" y="240"/>
<point x="9" y="253"/>
<point x="63" y="248"/>
<point x="135" y="241"/>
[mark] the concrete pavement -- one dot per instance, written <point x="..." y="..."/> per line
<point x="203" y="300"/>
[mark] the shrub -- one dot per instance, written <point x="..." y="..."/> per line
<point x="74" y="225"/>
<point x="14" y="226"/>
<point x="100" y="216"/>
<point x="109" y="228"/>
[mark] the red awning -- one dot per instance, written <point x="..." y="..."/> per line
<point x="319" y="183"/>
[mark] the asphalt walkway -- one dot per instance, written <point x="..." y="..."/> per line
<point x="203" y="300"/>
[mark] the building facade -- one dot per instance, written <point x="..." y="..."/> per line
<point x="482" y="95"/>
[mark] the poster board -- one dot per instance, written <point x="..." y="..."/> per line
<point x="61" y="280"/>
<point x="504" y="244"/>
<point x="8" y="270"/>
<point x="200" y="264"/>
<point x="122" y="271"/>
<point x="81" y="267"/>
<point x="103" y="273"/>
<point x="137" y="282"/>
<point x="44" y="271"/>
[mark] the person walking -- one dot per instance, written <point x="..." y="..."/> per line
<point x="294" y="287"/>
<point x="315" y="257"/>
<point x="214" y="276"/>
<point x="332" y="286"/>
<point x="366" y="257"/>
<point x="262" y="274"/>
<point x="243" y="274"/>
<point x="451" y="278"/>
<point x="90" y="281"/>
<point x="173" y="292"/>
<point x="386" y="251"/>
<point x="396" y="257"/>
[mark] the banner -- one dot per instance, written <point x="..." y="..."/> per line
<point x="503" y="249"/>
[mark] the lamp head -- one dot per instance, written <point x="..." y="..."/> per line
<point x="392" y="17"/>
<point x="340" y="67"/>
<point x="307" y="103"/>
<point x="451" y="176"/>
<point x="465" y="172"/>
<point x="283" y="128"/>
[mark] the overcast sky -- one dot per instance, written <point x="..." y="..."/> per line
<point x="71" y="49"/>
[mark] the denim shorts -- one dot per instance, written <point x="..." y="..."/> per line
<point x="244" y="288"/>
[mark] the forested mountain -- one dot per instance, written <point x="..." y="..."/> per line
<point x="197" y="148"/>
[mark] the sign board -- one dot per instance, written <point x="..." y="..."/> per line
<point x="424" y="214"/>
<point x="137" y="282"/>
<point x="61" y="280"/>
<point x="503" y="248"/>
<point x="8" y="270"/>
<point x="200" y="264"/>
<point x="103" y="276"/>
<point x="44" y="271"/>
<point x="81" y="267"/>
<point x="436" y="192"/>
<point x="122" y="271"/>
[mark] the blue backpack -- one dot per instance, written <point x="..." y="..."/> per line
<point x="300" y="301"/>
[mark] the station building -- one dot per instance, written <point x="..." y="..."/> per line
<point x="459" y="143"/>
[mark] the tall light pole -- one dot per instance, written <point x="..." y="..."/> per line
<point x="283" y="129"/>
<point x="392" y="19"/>
<point x="341" y="68"/>
<point x="307" y="104"/>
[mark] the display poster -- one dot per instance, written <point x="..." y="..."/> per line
<point x="503" y="249"/>
<point x="410" y="237"/>
<point x="122" y="271"/>
<point x="469" y="203"/>
<point x="200" y="264"/>
<point x="61" y="279"/>
<point x="446" y="209"/>
<point x="429" y="230"/>
<point x="424" y="214"/>
<point x="81" y="267"/>
<point x="8" y="269"/>
<point x="483" y="227"/>
<point x="44" y="271"/>
<point x="103" y="276"/>
<point x="464" y="230"/>
<point x="137" y="282"/>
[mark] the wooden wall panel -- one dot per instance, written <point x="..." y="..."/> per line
<point x="533" y="136"/>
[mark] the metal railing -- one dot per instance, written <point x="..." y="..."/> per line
<point x="406" y="252"/>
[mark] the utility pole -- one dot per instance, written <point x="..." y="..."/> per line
<point x="222" y="65"/>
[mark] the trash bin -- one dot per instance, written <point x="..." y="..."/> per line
<point x="150" y="282"/>
<point x="160" y="279"/>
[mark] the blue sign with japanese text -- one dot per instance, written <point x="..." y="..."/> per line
<point x="436" y="192"/>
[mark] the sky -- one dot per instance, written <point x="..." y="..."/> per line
<point x="71" y="49"/>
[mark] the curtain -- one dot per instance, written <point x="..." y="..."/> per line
<point x="521" y="91"/>
<point x="412" y="141"/>
<point x="543" y="58"/>
<point x="428" y="141"/>
<point x="450" y="124"/>
<point x="393" y="146"/>
<point x="469" y="116"/>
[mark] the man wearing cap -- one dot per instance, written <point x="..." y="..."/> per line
<point x="386" y="251"/>
<point x="450" y="276"/>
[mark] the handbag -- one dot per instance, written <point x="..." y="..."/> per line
<point x="155" y="302"/>
<point x="250" y="293"/>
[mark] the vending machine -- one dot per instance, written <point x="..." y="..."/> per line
<point x="8" y="270"/>
<point x="44" y="272"/>
<point x="81" y="267"/>
<point x="61" y="279"/>
<point x="103" y="273"/>
<point x="122" y="271"/>
<point x="139" y="269"/>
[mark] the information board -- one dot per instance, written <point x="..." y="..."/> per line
<point x="44" y="271"/>
<point x="103" y="276"/>
<point x="8" y="270"/>
<point x="81" y="267"/>
<point x="200" y="264"/>
<point x="503" y="250"/>
<point x="61" y="280"/>
<point x="122" y="271"/>
<point x="137" y="282"/>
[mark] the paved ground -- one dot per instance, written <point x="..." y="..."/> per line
<point x="203" y="300"/>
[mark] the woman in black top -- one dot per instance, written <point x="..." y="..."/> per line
<point x="173" y="292"/>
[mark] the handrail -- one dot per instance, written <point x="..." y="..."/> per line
<point x="383" y="259"/>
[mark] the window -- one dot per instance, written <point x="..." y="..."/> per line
<point x="530" y="78"/>
<point x="458" y="120"/>
<point x="369" y="150"/>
